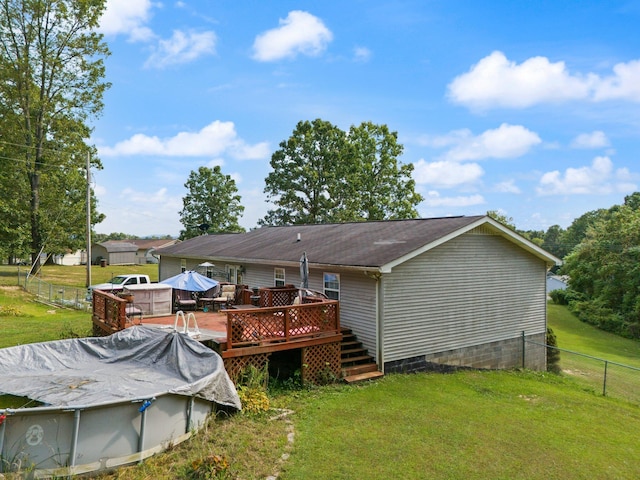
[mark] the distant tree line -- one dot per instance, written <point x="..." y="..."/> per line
<point x="604" y="268"/>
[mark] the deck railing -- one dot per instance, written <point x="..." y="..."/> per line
<point x="278" y="296"/>
<point x="265" y="326"/>
<point x="109" y="311"/>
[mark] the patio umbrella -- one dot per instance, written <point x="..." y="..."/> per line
<point x="304" y="271"/>
<point x="191" y="281"/>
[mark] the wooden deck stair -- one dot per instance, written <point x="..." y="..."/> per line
<point x="356" y="363"/>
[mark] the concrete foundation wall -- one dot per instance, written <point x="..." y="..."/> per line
<point x="503" y="354"/>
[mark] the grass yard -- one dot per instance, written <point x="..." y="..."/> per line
<point x="76" y="276"/>
<point x="467" y="425"/>
<point x="576" y="336"/>
<point x="23" y="320"/>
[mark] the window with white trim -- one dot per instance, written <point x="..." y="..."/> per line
<point x="331" y="283"/>
<point x="183" y="265"/>
<point x="278" y="277"/>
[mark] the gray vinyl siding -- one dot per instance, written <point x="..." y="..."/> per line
<point x="358" y="306"/>
<point x="475" y="289"/>
<point x="169" y="266"/>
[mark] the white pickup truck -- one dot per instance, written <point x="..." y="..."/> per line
<point x="117" y="283"/>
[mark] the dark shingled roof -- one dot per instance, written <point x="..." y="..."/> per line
<point x="362" y="244"/>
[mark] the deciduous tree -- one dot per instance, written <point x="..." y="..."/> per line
<point x="51" y="59"/>
<point x="305" y="181"/>
<point x="322" y="174"/>
<point x="211" y="205"/>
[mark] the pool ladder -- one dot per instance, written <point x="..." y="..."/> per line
<point x="185" y="324"/>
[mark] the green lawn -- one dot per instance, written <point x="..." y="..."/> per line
<point x="467" y="425"/>
<point x="581" y="337"/>
<point x="76" y="276"/>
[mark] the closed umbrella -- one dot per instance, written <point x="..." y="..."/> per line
<point x="304" y="271"/>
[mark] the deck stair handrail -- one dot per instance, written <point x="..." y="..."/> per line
<point x="289" y="323"/>
<point x="185" y="324"/>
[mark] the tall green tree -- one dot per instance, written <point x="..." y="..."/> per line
<point x="51" y="84"/>
<point x="305" y="181"/>
<point x="212" y="204"/>
<point x="553" y="241"/>
<point x="322" y="174"/>
<point x="376" y="185"/>
<point x="577" y="231"/>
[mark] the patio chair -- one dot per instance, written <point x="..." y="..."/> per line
<point x="185" y="301"/>
<point x="207" y="299"/>
<point x="227" y="296"/>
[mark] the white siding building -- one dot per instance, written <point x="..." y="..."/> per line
<point x="419" y="294"/>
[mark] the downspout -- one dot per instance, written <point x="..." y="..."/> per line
<point x="380" y="320"/>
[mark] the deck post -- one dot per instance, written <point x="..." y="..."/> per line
<point x="74" y="437"/>
<point x="287" y="325"/>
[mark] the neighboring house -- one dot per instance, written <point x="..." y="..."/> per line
<point x="556" y="282"/>
<point x="146" y="252"/>
<point x="114" y="252"/>
<point x="79" y="257"/>
<point x="464" y="291"/>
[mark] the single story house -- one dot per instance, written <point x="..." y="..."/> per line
<point x="419" y="293"/>
<point x="114" y="252"/>
<point x="79" y="257"/>
<point x="147" y="249"/>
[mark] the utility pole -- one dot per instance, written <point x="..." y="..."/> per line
<point x="88" y="220"/>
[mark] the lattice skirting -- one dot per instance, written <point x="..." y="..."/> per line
<point x="321" y="363"/>
<point x="235" y="365"/>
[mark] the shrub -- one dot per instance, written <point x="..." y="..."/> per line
<point x="213" y="467"/>
<point x="566" y="297"/>
<point x="553" y="354"/>
<point x="252" y="389"/>
<point x="595" y="313"/>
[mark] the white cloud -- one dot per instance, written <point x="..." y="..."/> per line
<point x="214" y="139"/>
<point x="182" y="48"/>
<point x="496" y="82"/>
<point x="362" y="54"/>
<point x="596" y="139"/>
<point x="624" y="84"/>
<point x="507" y="186"/>
<point x="433" y="199"/>
<point x="446" y="174"/>
<point x="147" y="213"/>
<point x="506" y="141"/>
<point x="300" y="32"/>
<point x="128" y="17"/>
<point x="597" y="179"/>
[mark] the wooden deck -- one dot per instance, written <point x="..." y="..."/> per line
<point x="246" y="335"/>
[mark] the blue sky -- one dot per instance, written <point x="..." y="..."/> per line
<point x="531" y="108"/>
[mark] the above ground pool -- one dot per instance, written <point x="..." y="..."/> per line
<point x="106" y="401"/>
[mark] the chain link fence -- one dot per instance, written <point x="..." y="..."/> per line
<point x="605" y="377"/>
<point x="61" y="295"/>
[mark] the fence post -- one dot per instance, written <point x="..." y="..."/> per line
<point x="604" y="383"/>
<point x="523" y="350"/>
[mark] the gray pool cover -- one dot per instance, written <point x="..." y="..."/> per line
<point x="135" y="363"/>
